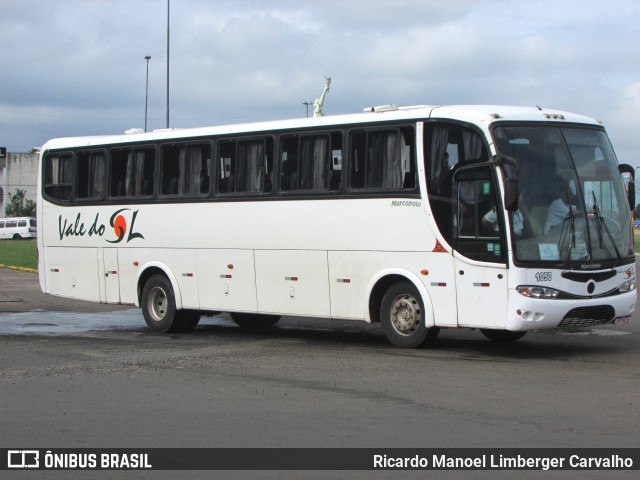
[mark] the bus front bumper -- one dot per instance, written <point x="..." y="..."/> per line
<point x="538" y="314"/>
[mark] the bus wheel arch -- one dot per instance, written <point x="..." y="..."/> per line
<point x="158" y="301"/>
<point x="404" y="309"/>
<point x="157" y="269"/>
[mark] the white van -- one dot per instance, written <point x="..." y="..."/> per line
<point x="17" y="228"/>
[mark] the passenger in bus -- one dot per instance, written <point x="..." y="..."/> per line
<point x="468" y="200"/>
<point x="268" y="183"/>
<point x="520" y="220"/>
<point x="560" y="209"/>
<point x="490" y="222"/>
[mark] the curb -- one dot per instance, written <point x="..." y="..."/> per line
<point x="20" y="269"/>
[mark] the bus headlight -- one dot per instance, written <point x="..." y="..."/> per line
<point x="628" y="286"/>
<point x="537" y="292"/>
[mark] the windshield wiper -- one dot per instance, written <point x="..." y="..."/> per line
<point x="572" y="234"/>
<point x="602" y="225"/>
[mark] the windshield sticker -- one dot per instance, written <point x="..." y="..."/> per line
<point x="549" y="251"/>
<point x="122" y="224"/>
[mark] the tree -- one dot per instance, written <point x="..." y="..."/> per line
<point x="19" y="205"/>
<point x="636" y="212"/>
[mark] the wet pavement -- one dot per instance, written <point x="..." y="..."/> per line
<point x="24" y="309"/>
<point x="65" y="323"/>
<point x="20" y="292"/>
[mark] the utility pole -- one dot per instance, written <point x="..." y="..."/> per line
<point x="168" y="2"/>
<point x="306" y="104"/>
<point x="146" y="97"/>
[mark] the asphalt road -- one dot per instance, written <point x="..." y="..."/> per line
<point x="80" y="375"/>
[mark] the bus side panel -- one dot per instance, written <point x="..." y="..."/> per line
<point x="226" y="280"/>
<point x="180" y="262"/>
<point x="293" y="282"/>
<point x="351" y="274"/>
<point x="110" y="278"/>
<point x="72" y="272"/>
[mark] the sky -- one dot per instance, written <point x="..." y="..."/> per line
<point x="77" y="67"/>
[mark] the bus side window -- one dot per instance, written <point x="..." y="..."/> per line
<point x="90" y="176"/>
<point x="448" y="147"/>
<point x="144" y="171"/>
<point x="244" y="165"/>
<point x="170" y="169"/>
<point x="185" y="169"/>
<point x="197" y="169"/>
<point x="335" y="181"/>
<point x="289" y="163"/>
<point x="311" y="162"/>
<point x="132" y="172"/>
<point x="382" y="159"/>
<point x="118" y="172"/>
<point x="58" y="176"/>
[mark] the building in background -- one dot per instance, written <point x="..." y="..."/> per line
<point x="18" y="171"/>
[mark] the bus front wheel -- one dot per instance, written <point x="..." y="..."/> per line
<point x="403" y="317"/>
<point x="159" y="308"/>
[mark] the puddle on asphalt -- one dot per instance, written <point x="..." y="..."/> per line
<point x="39" y="322"/>
<point x="61" y="323"/>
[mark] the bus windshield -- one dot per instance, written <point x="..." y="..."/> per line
<point x="571" y="200"/>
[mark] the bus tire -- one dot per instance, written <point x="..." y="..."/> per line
<point x="402" y="314"/>
<point x="502" y="336"/>
<point x="17" y="236"/>
<point x="159" y="308"/>
<point x="254" y="320"/>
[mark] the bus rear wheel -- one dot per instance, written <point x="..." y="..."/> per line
<point x="502" y="336"/>
<point x="254" y="320"/>
<point x="403" y="317"/>
<point x="159" y="308"/>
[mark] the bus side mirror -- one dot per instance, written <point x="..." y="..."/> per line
<point x="511" y="194"/>
<point x="628" y="174"/>
<point x="509" y="169"/>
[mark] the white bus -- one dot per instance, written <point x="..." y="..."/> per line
<point x="420" y="218"/>
<point x="17" y="228"/>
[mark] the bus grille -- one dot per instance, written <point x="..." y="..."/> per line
<point x="587" y="316"/>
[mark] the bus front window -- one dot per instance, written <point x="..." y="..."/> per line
<point x="572" y="199"/>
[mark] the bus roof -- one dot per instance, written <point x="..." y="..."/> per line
<point x="481" y="115"/>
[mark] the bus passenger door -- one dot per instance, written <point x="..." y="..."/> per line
<point x="479" y="249"/>
<point x="111" y="276"/>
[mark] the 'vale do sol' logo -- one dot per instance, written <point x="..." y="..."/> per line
<point x="122" y="224"/>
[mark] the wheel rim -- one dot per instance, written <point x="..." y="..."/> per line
<point x="405" y="314"/>
<point x="157" y="304"/>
